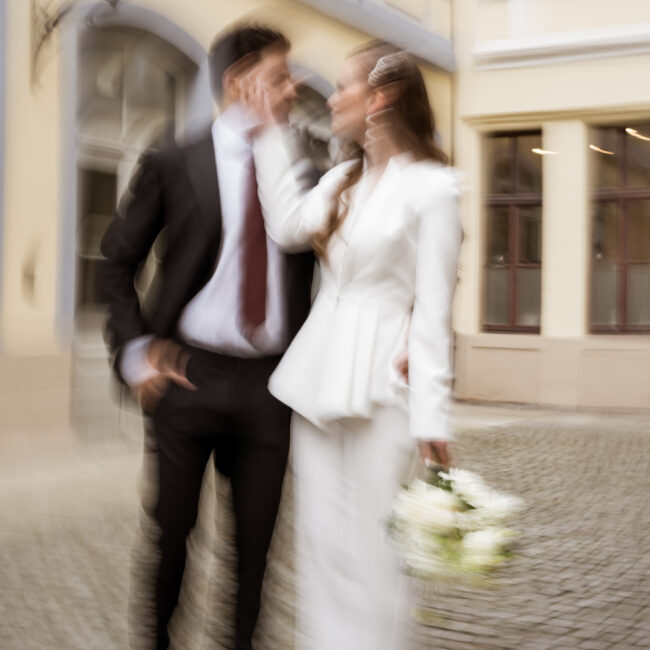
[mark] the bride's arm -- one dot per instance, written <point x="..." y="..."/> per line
<point x="293" y="211"/>
<point x="430" y="335"/>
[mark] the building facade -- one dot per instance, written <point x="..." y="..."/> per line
<point x="545" y="106"/>
<point x="552" y="127"/>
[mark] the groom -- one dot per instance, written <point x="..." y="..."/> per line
<point x="229" y="303"/>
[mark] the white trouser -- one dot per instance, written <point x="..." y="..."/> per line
<point x="351" y="594"/>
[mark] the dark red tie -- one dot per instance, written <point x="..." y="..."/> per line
<point x="254" y="257"/>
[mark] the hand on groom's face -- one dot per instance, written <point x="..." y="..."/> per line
<point x="267" y="88"/>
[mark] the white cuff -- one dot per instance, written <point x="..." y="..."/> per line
<point x="134" y="364"/>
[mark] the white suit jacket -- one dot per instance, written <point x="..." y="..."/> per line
<point x="388" y="282"/>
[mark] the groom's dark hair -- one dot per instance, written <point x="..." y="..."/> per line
<point x="239" y="43"/>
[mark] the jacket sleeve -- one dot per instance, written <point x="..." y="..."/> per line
<point x="294" y="211"/>
<point x="125" y="246"/>
<point x="430" y="337"/>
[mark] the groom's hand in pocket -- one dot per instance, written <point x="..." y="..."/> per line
<point x="150" y="392"/>
<point x="170" y="359"/>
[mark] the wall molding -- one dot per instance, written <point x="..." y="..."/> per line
<point x="595" y="116"/>
<point x="392" y="26"/>
<point x="625" y="40"/>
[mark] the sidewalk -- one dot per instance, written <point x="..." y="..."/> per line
<point x="581" y="578"/>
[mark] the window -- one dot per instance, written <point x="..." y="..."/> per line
<point x="131" y="91"/>
<point x="513" y="257"/>
<point x="97" y="204"/>
<point x="620" y="229"/>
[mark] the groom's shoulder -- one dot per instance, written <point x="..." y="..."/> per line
<point x="196" y="140"/>
<point x="174" y="152"/>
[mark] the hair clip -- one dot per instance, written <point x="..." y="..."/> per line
<point x="389" y="67"/>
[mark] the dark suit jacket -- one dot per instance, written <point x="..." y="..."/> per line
<point x="177" y="189"/>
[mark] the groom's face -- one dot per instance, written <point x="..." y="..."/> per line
<point x="272" y="72"/>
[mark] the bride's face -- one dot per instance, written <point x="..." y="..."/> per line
<point x="350" y="101"/>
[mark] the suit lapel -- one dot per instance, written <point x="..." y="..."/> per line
<point x="202" y="170"/>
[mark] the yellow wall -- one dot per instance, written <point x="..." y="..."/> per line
<point x="32" y="196"/>
<point x="434" y="15"/>
<point x="501" y="18"/>
<point x="569" y="86"/>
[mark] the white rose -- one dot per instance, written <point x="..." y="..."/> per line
<point x="432" y="508"/>
<point x="499" y="507"/>
<point x="484" y="548"/>
<point x="415" y="511"/>
<point x="468" y="485"/>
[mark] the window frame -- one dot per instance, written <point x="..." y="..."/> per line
<point x="514" y="202"/>
<point x="622" y="196"/>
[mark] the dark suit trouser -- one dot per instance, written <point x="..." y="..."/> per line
<point x="232" y="415"/>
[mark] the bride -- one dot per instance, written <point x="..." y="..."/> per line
<point x="385" y="228"/>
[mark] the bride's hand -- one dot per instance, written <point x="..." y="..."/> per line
<point x="256" y="100"/>
<point x="435" y="452"/>
<point x="402" y="366"/>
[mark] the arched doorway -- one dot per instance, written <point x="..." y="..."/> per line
<point x="133" y="91"/>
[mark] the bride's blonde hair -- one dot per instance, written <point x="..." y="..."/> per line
<point x="413" y="122"/>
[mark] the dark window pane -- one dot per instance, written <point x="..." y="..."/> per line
<point x="638" y="156"/>
<point x="530" y="235"/>
<point x="498" y="235"/>
<point x="89" y="290"/>
<point x="496" y="298"/>
<point x="98" y="192"/>
<point x="605" y="233"/>
<point x="92" y="230"/>
<point x="604" y="295"/>
<point x="604" y="158"/>
<point x="638" y="294"/>
<point x="529" y="284"/>
<point x="529" y="164"/>
<point x="498" y="163"/>
<point x="638" y="231"/>
<point x="97" y="205"/>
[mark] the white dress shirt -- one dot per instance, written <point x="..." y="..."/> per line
<point x="211" y="320"/>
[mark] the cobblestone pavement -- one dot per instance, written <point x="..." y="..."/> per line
<point x="580" y="578"/>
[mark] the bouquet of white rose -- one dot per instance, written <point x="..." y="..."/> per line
<point x="450" y="528"/>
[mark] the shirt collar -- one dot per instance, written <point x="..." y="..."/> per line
<point x="232" y="129"/>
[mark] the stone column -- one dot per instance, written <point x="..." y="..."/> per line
<point x="565" y="230"/>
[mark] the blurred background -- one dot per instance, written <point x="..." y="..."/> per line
<point x="543" y="104"/>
